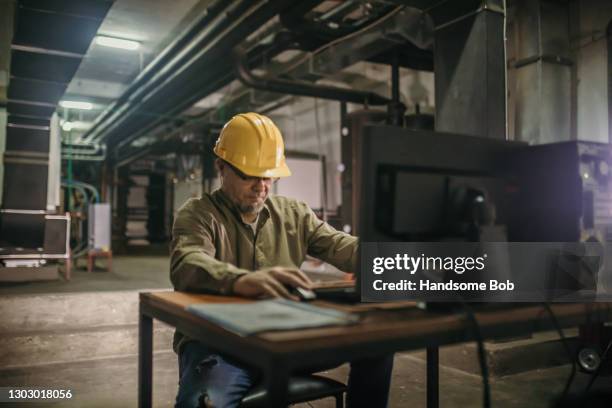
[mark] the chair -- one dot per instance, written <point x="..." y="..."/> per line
<point x="301" y="389"/>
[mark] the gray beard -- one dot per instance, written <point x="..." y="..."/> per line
<point x="250" y="209"/>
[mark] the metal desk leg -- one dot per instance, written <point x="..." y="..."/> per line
<point x="277" y="385"/>
<point x="432" y="378"/>
<point x="145" y="361"/>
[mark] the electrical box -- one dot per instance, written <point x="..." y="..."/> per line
<point x="99" y="226"/>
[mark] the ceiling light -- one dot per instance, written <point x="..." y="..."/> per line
<point x="76" y="105"/>
<point x="77" y="125"/>
<point x="117" y="43"/>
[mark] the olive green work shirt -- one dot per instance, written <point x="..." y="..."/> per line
<point x="212" y="247"/>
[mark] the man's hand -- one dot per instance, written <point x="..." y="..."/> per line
<point x="271" y="282"/>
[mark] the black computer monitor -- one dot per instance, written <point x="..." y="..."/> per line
<point x="422" y="185"/>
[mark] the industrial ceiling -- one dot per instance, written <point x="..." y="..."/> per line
<point x="189" y="51"/>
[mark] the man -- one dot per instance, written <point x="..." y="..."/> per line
<point x="239" y="240"/>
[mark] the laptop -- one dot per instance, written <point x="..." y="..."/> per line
<point x="344" y="291"/>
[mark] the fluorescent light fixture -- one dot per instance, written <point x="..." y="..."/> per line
<point x="77" y="125"/>
<point x="76" y="105"/>
<point x="114" y="42"/>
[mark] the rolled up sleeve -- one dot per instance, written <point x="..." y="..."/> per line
<point x="328" y="244"/>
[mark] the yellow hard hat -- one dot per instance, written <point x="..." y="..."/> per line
<point x="253" y="144"/>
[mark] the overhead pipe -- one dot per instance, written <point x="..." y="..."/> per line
<point x="282" y="41"/>
<point x="110" y="114"/>
<point x="206" y="77"/>
<point x="217" y="25"/>
<point x="301" y="88"/>
<point x="396" y="107"/>
<point x="319" y="29"/>
<point x="394" y="21"/>
<point x="162" y="71"/>
<point x="203" y="73"/>
<point x="194" y="77"/>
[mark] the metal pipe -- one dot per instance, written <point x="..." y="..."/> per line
<point x="188" y="76"/>
<point x="395" y="79"/>
<point x="300" y="87"/>
<point x="189" y="51"/>
<point x="206" y="71"/>
<point x="124" y="161"/>
<point x="163" y="59"/>
<point x="396" y="108"/>
<point x="193" y="78"/>
<point x="342" y="9"/>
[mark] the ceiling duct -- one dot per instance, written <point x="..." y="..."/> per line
<point x="405" y="27"/>
<point x="49" y="41"/>
<point x="404" y="34"/>
<point x="302" y="88"/>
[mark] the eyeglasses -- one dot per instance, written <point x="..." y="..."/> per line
<point x="251" y="179"/>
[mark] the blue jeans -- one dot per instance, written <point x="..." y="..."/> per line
<point x="208" y="379"/>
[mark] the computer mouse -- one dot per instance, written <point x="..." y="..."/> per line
<point x="303" y="294"/>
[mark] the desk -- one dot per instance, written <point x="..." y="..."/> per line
<point x="387" y="330"/>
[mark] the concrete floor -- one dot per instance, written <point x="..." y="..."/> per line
<point x="128" y="273"/>
<point x="112" y="381"/>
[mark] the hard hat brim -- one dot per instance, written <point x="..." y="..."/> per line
<point x="280" y="171"/>
<point x="277" y="172"/>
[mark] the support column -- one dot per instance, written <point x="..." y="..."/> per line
<point x="7" y="13"/>
<point x="2" y="148"/>
<point x="120" y="195"/>
<point x="541" y="66"/>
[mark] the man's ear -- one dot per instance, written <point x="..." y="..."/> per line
<point x="220" y="166"/>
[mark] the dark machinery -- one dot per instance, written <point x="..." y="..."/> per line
<point x="565" y="194"/>
<point x="431" y="186"/>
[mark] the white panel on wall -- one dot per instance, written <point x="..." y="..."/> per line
<point x="305" y="181"/>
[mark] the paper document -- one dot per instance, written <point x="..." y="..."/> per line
<point x="277" y="314"/>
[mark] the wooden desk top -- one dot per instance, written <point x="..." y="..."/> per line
<point x="389" y="323"/>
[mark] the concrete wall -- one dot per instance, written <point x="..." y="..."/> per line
<point x="591" y="56"/>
